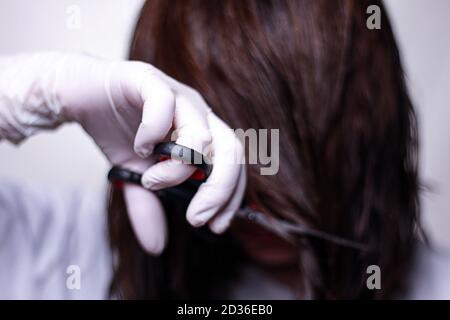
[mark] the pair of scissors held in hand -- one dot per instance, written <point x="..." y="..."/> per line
<point x="186" y="191"/>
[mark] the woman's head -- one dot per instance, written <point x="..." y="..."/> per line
<point x="335" y="91"/>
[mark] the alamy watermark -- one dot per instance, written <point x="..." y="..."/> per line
<point x="373" y="22"/>
<point x="73" y="280"/>
<point x="251" y="146"/>
<point x="373" y="281"/>
<point x="73" y="21"/>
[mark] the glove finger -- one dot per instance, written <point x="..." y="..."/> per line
<point x="157" y="114"/>
<point x="191" y="123"/>
<point x="222" y="221"/>
<point x="147" y="218"/>
<point x="192" y="131"/>
<point x="215" y="193"/>
<point x="166" y="174"/>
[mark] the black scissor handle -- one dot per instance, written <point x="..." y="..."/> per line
<point x="124" y="175"/>
<point x="185" y="154"/>
<point x="167" y="149"/>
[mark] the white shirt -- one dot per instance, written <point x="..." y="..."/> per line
<point x="44" y="232"/>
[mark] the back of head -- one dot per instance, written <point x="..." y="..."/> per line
<point x="335" y="90"/>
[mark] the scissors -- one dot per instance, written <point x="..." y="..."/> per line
<point x="186" y="191"/>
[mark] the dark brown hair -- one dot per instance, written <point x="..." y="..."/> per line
<point x="348" y="140"/>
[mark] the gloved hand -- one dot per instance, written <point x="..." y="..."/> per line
<point x="127" y="107"/>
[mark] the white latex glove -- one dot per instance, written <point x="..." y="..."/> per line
<point x="121" y="105"/>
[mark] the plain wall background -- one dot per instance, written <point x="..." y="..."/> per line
<point x="69" y="158"/>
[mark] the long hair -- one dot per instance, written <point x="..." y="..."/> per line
<point x="348" y="137"/>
